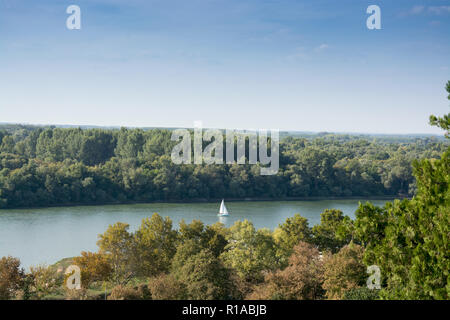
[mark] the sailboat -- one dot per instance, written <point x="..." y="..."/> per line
<point x="223" y="212"/>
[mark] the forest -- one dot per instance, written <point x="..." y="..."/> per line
<point x="50" y="166"/>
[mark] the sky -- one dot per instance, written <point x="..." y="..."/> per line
<point x="247" y="64"/>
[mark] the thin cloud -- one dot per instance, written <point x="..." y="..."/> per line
<point x="413" y="11"/>
<point x="322" y="47"/>
<point x="433" y="10"/>
<point x="417" y="10"/>
<point x="439" y="10"/>
<point x="435" y="23"/>
<point x="306" y="53"/>
<point x="299" y="54"/>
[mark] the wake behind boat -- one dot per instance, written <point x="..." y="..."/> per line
<point x="223" y="212"/>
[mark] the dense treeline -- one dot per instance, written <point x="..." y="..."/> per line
<point x="55" y="166"/>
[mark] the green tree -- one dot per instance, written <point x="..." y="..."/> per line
<point x="118" y="246"/>
<point x="207" y="237"/>
<point x="249" y="252"/>
<point x="289" y="234"/>
<point x="444" y="121"/>
<point x="201" y="273"/>
<point x="129" y="143"/>
<point x="333" y="232"/>
<point x="155" y="245"/>
<point x="7" y="145"/>
<point x="409" y="239"/>
<point x="97" y="148"/>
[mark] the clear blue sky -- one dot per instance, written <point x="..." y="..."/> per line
<point x="288" y="64"/>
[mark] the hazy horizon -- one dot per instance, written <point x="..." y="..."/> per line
<point x="71" y="125"/>
<point x="290" y="65"/>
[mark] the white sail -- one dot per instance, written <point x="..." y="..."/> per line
<point x="223" y="210"/>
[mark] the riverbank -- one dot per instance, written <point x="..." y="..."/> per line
<point x="204" y="200"/>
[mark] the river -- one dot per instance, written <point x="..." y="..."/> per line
<point x="44" y="236"/>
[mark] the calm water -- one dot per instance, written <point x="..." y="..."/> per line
<point x="48" y="235"/>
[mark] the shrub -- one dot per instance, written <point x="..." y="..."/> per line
<point x="72" y="294"/>
<point x="42" y="281"/>
<point x="362" y="293"/>
<point x="94" y="267"/>
<point x="301" y="280"/>
<point x="166" y="287"/>
<point x="121" y="292"/>
<point x="11" y="277"/>
<point x="344" y="271"/>
<point x="202" y="274"/>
